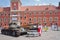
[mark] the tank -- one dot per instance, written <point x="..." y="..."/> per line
<point x="13" y="30"/>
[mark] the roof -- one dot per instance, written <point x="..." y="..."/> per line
<point x="37" y="8"/>
<point x="1" y="9"/>
<point x="6" y="8"/>
<point x="58" y="7"/>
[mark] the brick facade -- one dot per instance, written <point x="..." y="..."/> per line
<point x="25" y="15"/>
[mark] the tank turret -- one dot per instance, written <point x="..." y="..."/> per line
<point x="14" y="26"/>
<point x="14" y="30"/>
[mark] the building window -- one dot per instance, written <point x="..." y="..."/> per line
<point x="0" y="19"/>
<point x="21" y="16"/>
<point x="50" y="12"/>
<point x="35" y="19"/>
<point x="24" y="17"/>
<point x="14" y="18"/>
<point x="30" y="13"/>
<point x="9" y="14"/>
<point x="0" y="13"/>
<point x="44" y="19"/>
<point x="1" y="23"/>
<point x="14" y="8"/>
<point x="50" y="19"/>
<point x="40" y="13"/>
<point x="30" y="19"/>
<point x="56" y="19"/>
<point x="39" y="19"/>
<point x="27" y="9"/>
<point x="20" y="22"/>
<point x="5" y="24"/>
<point x="4" y="19"/>
<point x="56" y="12"/>
<point x="5" y="14"/>
<point x="15" y="13"/>
<point x="25" y="13"/>
<point x="44" y="13"/>
<point x="46" y="8"/>
<point x="30" y="22"/>
<point x="8" y="19"/>
<point x="24" y="22"/>
<point x="34" y="13"/>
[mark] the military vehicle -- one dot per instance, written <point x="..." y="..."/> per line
<point x="14" y="30"/>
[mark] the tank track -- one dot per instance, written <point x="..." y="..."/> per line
<point x="10" y="32"/>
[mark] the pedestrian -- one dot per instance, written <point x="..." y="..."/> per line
<point x="39" y="29"/>
<point x="45" y="28"/>
<point x="56" y="27"/>
<point x="52" y="26"/>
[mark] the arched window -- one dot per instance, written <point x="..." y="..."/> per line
<point x="50" y="12"/>
<point x="56" y="19"/>
<point x="35" y="19"/>
<point x="39" y="19"/>
<point x="50" y="19"/>
<point x="44" y="19"/>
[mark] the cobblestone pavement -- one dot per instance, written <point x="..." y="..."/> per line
<point x="49" y="35"/>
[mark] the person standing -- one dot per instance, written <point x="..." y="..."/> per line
<point x="39" y="29"/>
<point x="56" y="27"/>
<point x="45" y="28"/>
<point x="52" y="26"/>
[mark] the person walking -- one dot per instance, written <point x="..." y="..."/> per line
<point x="39" y="29"/>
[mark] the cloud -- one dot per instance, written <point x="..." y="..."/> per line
<point x="41" y="4"/>
<point x="36" y="0"/>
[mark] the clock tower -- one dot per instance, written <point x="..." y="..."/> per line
<point x="14" y="11"/>
<point x="15" y="4"/>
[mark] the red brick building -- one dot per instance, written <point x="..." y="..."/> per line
<point x="23" y="15"/>
<point x="4" y="16"/>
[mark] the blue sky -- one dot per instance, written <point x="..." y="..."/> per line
<point x="31" y="2"/>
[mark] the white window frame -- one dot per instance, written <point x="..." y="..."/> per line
<point x="50" y="19"/>
<point x="39" y="19"/>
<point x="55" y="18"/>
<point x="35" y="19"/>
<point x="50" y="12"/>
<point x="44" y="19"/>
<point x="14" y="18"/>
<point x="4" y="19"/>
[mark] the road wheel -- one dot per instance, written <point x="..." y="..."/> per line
<point x="2" y="32"/>
<point x="13" y="33"/>
<point x="17" y="34"/>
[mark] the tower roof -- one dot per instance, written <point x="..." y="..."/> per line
<point x="1" y="9"/>
<point x="15" y="0"/>
<point x="38" y="8"/>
